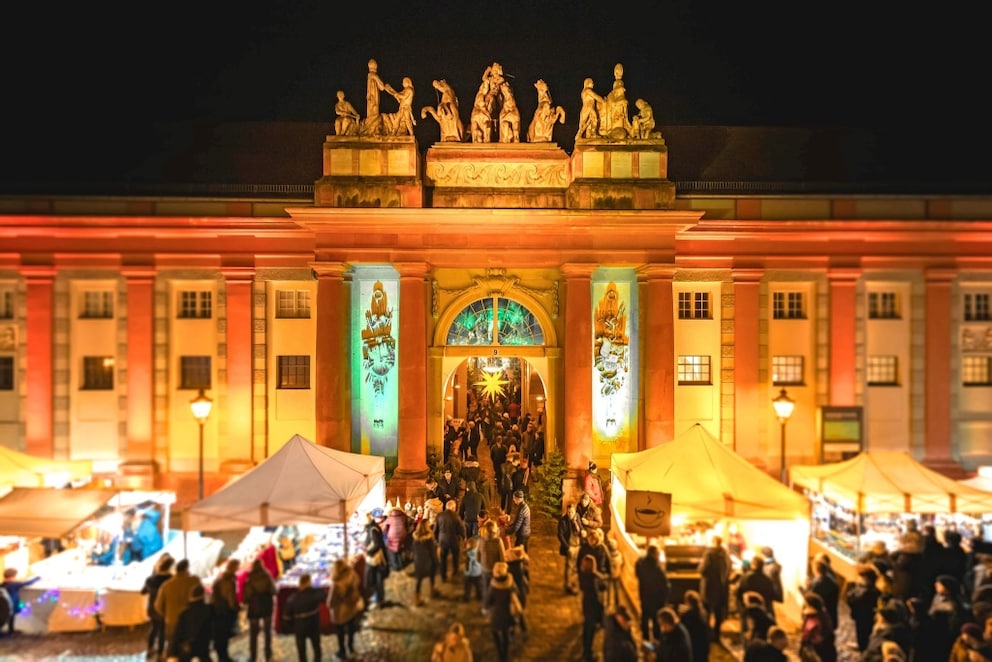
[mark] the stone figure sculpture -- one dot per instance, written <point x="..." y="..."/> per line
<point x="494" y="110"/>
<point x="372" y="125"/>
<point x="401" y="122"/>
<point x="509" y="115"/>
<point x="545" y="116"/>
<point x="446" y="113"/>
<point x="605" y="117"/>
<point x="613" y="120"/>
<point x="642" y="124"/>
<point x="347" y="120"/>
<point x="589" y="113"/>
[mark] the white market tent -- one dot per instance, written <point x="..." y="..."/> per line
<point x="301" y="482"/>
<point x="44" y="512"/>
<point x="890" y="482"/>
<point x="19" y="469"/>
<point x="709" y="481"/>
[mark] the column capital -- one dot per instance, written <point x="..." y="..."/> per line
<point x="747" y="274"/>
<point x="655" y="272"/>
<point x="575" y="270"/>
<point x="238" y="274"/>
<point x="329" y="269"/>
<point x="843" y="275"/>
<point x="940" y="275"/>
<point x="412" y="269"/>
<point x="39" y="273"/>
<point x="135" y="273"/>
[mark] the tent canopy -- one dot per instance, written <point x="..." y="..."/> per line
<point x="23" y="470"/>
<point x="49" y="513"/>
<point x="301" y="482"/>
<point x="890" y="482"/>
<point x="707" y="480"/>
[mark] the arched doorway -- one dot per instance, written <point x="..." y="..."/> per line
<point x="495" y="350"/>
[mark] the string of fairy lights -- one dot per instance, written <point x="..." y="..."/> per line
<point x="51" y="598"/>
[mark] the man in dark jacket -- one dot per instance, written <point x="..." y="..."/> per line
<point x="653" y="588"/>
<point x="714" y="583"/>
<point x="303" y="612"/>
<point x="673" y="644"/>
<point x="469" y="509"/>
<point x="194" y="629"/>
<point x="825" y="585"/>
<point x="891" y="627"/>
<point x="569" y="542"/>
<point x="519" y="525"/>
<point x="618" y="642"/>
<point x="755" y="580"/>
<point x="449" y="532"/>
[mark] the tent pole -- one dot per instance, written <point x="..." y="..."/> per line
<point x="345" y="520"/>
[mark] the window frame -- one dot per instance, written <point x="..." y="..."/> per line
<point x="285" y="368"/>
<point x="967" y="369"/>
<point x="193" y="304"/>
<point x="695" y="305"/>
<point x="98" y="373"/>
<point x="93" y="308"/>
<point x="787" y="359"/>
<point x="686" y="370"/>
<point x="789" y="305"/>
<point x="301" y="307"/>
<point x="882" y="365"/>
<point x="883" y="305"/>
<point x="191" y="366"/>
<point x="7" y="376"/>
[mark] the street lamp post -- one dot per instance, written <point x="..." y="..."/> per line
<point x="200" y="406"/>
<point x="783" y="410"/>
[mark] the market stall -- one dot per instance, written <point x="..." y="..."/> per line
<point x="74" y="592"/>
<point x="23" y="470"/>
<point x="714" y="491"/>
<point x="868" y="498"/>
<point x="317" y="497"/>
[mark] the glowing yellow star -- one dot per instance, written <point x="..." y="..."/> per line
<point x="492" y="384"/>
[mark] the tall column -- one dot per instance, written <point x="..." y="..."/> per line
<point x="657" y="354"/>
<point x="140" y="452"/>
<point x="748" y="403"/>
<point x="412" y="420"/>
<point x="39" y="428"/>
<point x="843" y="371"/>
<point x="937" y="367"/>
<point x="578" y="364"/>
<point x="333" y="367"/>
<point x="236" y="445"/>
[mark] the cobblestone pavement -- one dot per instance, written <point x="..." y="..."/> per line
<point x="398" y="632"/>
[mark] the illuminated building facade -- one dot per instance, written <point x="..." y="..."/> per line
<point x="357" y="312"/>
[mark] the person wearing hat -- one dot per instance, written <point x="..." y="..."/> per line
<point x="592" y="484"/>
<point x="774" y="571"/>
<point x="890" y="626"/>
<point x="499" y="603"/>
<point x="519" y="525"/>
<point x="302" y="611"/>
<point x="590" y="515"/>
<point x="969" y="639"/>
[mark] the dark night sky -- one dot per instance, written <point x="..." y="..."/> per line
<point x="84" y="82"/>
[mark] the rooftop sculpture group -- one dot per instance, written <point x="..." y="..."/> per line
<point x="495" y="115"/>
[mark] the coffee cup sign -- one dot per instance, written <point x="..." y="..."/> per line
<point x="648" y="513"/>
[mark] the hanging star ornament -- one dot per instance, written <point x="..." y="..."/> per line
<point x="492" y="384"/>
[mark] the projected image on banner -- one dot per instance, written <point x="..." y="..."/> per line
<point x="611" y="363"/>
<point x="648" y="513"/>
<point x="378" y="368"/>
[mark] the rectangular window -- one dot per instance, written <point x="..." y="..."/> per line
<point x="195" y="304"/>
<point x="293" y="303"/>
<point x="6" y="304"/>
<point x="694" y="370"/>
<point x="694" y="305"/>
<point x="788" y="306"/>
<point x="98" y="373"/>
<point x="787" y="370"/>
<point x="975" y="370"/>
<point x="294" y="371"/>
<point x="194" y="372"/>
<point x="976" y="307"/>
<point x="6" y="373"/>
<point x="97" y="305"/>
<point x="883" y="370"/>
<point x="882" y="306"/>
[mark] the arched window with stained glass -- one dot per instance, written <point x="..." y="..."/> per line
<point x="507" y="321"/>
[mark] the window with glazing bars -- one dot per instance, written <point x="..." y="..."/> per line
<point x="788" y="305"/>
<point x="976" y="307"/>
<point x="98" y="373"/>
<point x="883" y="370"/>
<point x="97" y="305"/>
<point x="195" y="304"/>
<point x="194" y="372"/>
<point x="882" y="306"/>
<point x="293" y="371"/>
<point x="694" y="370"/>
<point x="293" y="303"/>
<point x="694" y="305"/>
<point x="787" y="370"/>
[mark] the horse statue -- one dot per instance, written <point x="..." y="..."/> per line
<point x="545" y="116"/>
<point x="509" y="116"/>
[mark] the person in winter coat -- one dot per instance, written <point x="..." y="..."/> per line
<point x="714" y="583"/>
<point x="590" y="515"/>
<point x="259" y="596"/>
<point x="518" y="564"/>
<point x="674" y="644"/>
<point x="156" y="624"/>
<point x="396" y="529"/>
<point x="817" y="629"/>
<point x="862" y="597"/>
<point x="774" y="571"/>
<point x="825" y="585"/>
<point x="499" y="603"/>
<point x="191" y="638"/>
<point x="618" y="642"/>
<point x="890" y="626"/>
<point x="653" y="588"/>
<point x="173" y="596"/>
<point x="772" y="650"/>
<point x="376" y="564"/>
<point x="345" y="603"/>
<point x="225" y="605"/>
<point x="147" y="540"/>
<point x="519" y="526"/>
<point x="696" y="621"/>
<point x="454" y="647"/>
<point x="302" y="611"/>
<point x="449" y="532"/>
<point x="756" y="581"/>
<point x="569" y="541"/>
<point x="491" y="551"/>
<point x="473" y="570"/>
<point x="424" y="558"/>
<point x="947" y="614"/>
<point x="591" y="581"/>
<point x="472" y="505"/>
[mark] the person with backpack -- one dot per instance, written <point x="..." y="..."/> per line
<point x="259" y="597"/>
